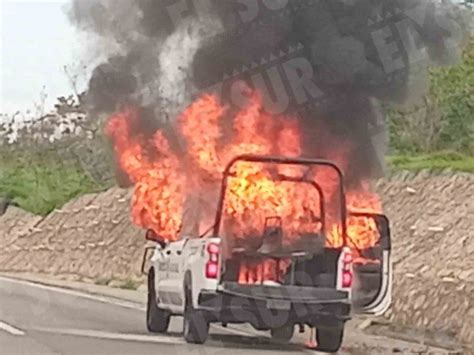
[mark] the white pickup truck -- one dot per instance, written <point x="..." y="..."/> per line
<point x="199" y="278"/>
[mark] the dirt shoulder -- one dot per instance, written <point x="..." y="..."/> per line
<point x="135" y="296"/>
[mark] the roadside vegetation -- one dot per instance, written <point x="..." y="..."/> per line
<point x="439" y="161"/>
<point x="39" y="182"/>
<point x="438" y="133"/>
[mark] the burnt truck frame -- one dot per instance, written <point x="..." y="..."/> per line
<point x="313" y="292"/>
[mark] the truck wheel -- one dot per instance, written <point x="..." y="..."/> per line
<point x="157" y="319"/>
<point x="283" y="334"/>
<point x="196" y="327"/>
<point x="329" y="340"/>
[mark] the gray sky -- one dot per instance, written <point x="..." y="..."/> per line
<point x="36" y="42"/>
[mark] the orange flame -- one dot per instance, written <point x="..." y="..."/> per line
<point x="157" y="201"/>
<point x="164" y="178"/>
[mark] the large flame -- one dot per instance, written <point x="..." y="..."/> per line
<point x="164" y="178"/>
<point x="154" y="170"/>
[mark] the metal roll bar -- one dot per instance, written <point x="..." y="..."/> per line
<point x="285" y="161"/>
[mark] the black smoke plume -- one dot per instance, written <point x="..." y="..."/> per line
<point x="359" y="54"/>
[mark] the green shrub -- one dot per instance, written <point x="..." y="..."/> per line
<point x="444" y="118"/>
<point x="436" y="162"/>
<point x="40" y="182"/>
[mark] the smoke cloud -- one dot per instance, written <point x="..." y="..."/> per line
<point x="332" y="63"/>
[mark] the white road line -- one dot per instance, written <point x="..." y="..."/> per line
<point x="103" y="299"/>
<point x="87" y="333"/>
<point x="10" y="329"/>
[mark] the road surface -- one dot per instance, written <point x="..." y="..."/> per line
<point x="38" y="319"/>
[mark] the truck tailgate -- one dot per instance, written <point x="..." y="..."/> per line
<point x="297" y="294"/>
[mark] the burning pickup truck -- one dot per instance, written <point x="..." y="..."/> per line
<point x="283" y="242"/>
<point x="297" y="269"/>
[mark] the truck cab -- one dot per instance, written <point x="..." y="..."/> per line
<point x="266" y="281"/>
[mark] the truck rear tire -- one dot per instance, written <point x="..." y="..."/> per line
<point x="283" y="334"/>
<point x="329" y="340"/>
<point x="196" y="326"/>
<point x="157" y="319"/>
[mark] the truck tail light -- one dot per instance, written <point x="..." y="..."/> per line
<point x="346" y="268"/>
<point x="212" y="265"/>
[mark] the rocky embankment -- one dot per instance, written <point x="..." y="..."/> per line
<point x="432" y="216"/>
<point x="90" y="238"/>
<point x="433" y="251"/>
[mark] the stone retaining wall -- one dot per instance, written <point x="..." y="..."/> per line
<point x="433" y="250"/>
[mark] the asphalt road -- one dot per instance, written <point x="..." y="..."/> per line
<point x="37" y="319"/>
